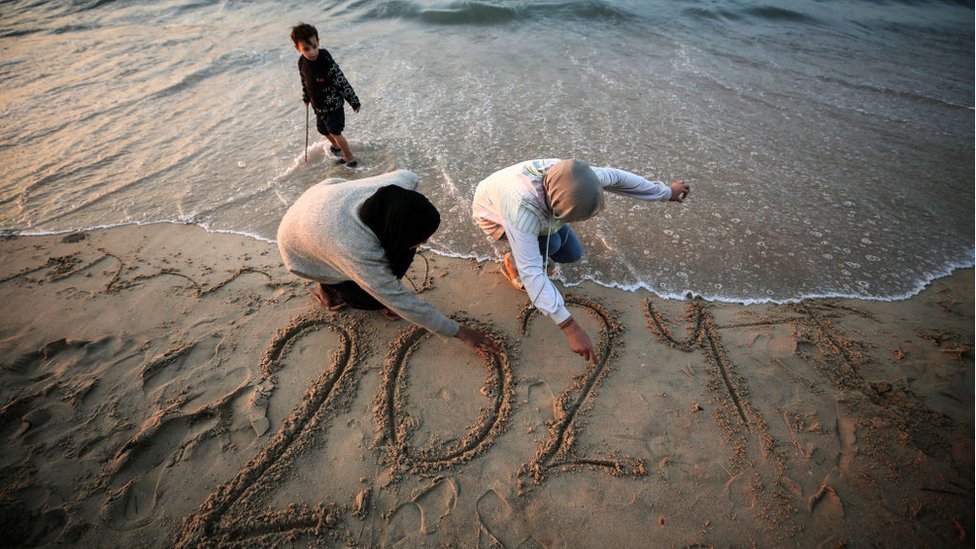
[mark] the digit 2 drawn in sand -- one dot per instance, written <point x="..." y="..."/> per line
<point x="232" y="514"/>
<point x="393" y="431"/>
<point x="556" y="451"/>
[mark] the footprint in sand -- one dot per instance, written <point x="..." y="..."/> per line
<point x="541" y="398"/>
<point x="423" y="514"/>
<point x="26" y="527"/>
<point x="131" y="505"/>
<point x="497" y="525"/>
<point x="134" y="479"/>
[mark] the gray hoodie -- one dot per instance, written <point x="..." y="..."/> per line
<point x="322" y="238"/>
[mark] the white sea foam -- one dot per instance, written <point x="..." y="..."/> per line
<point x="805" y="157"/>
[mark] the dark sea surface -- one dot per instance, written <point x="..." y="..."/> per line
<point x="829" y="144"/>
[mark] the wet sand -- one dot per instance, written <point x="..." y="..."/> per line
<point x="164" y="386"/>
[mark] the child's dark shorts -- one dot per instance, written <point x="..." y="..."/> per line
<point x="330" y="122"/>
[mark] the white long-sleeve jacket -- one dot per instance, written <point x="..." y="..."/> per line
<point x="509" y="204"/>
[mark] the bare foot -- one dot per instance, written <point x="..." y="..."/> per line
<point x="390" y="315"/>
<point x="323" y="299"/>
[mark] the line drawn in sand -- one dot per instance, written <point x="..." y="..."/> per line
<point x="737" y="415"/>
<point x="887" y="432"/>
<point x="63" y="267"/>
<point x="393" y="431"/>
<point x="556" y="452"/>
<point x="234" y="514"/>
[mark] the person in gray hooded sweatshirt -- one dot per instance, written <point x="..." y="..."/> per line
<point x="531" y="204"/>
<point x="356" y="239"/>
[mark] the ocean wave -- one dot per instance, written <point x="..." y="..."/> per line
<point x="780" y="15"/>
<point x="16" y="33"/>
<point x="487" y="13"/>
<point x="768" y="13"/>
<point x="220" y="65"/>
<point x="710" y="14"/>
<point x="962" y="3"/>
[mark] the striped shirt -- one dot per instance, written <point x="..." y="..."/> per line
<point x="510" y="203"/>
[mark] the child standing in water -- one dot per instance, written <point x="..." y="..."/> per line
<point x="324" y="85"/>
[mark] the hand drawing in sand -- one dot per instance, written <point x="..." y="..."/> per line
<point x="556" y="451"/>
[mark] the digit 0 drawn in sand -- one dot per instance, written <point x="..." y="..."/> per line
<point x="233" y="514"/>
<point x="393" y="431"/>
<point x="736" y="414"/>
<point x="556" y="451"/>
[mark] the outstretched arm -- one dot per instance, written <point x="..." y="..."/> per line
<point x="632" y="185"/>
<point x="529" y="262"/>
<point x="376" y="278"/>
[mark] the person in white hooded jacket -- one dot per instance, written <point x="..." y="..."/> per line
<point x="530" y="204"/>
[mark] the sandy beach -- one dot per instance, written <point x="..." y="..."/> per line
<point x="162" y="386"/>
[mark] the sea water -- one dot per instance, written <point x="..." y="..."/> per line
<point x="828" y="144"/>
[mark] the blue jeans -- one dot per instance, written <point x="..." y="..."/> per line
<point x="564" y="247"/>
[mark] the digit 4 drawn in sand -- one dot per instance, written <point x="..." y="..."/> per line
<point x="736" y="414"/>
<point x="556" y="451"/>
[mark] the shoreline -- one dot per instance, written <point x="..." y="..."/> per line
<point x="163" y="384"/>
<point x="920" y="286"/>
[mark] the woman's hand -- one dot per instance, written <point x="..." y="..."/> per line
<point x="477" y="341"/>
<point x="679" y="191"/>
<point x="579" y="342"/>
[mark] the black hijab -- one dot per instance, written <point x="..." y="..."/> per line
<point x="400" y="219"/>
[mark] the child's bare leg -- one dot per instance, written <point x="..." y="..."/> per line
<point x="333" y="144"/>
<point x="341" y="142"/>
